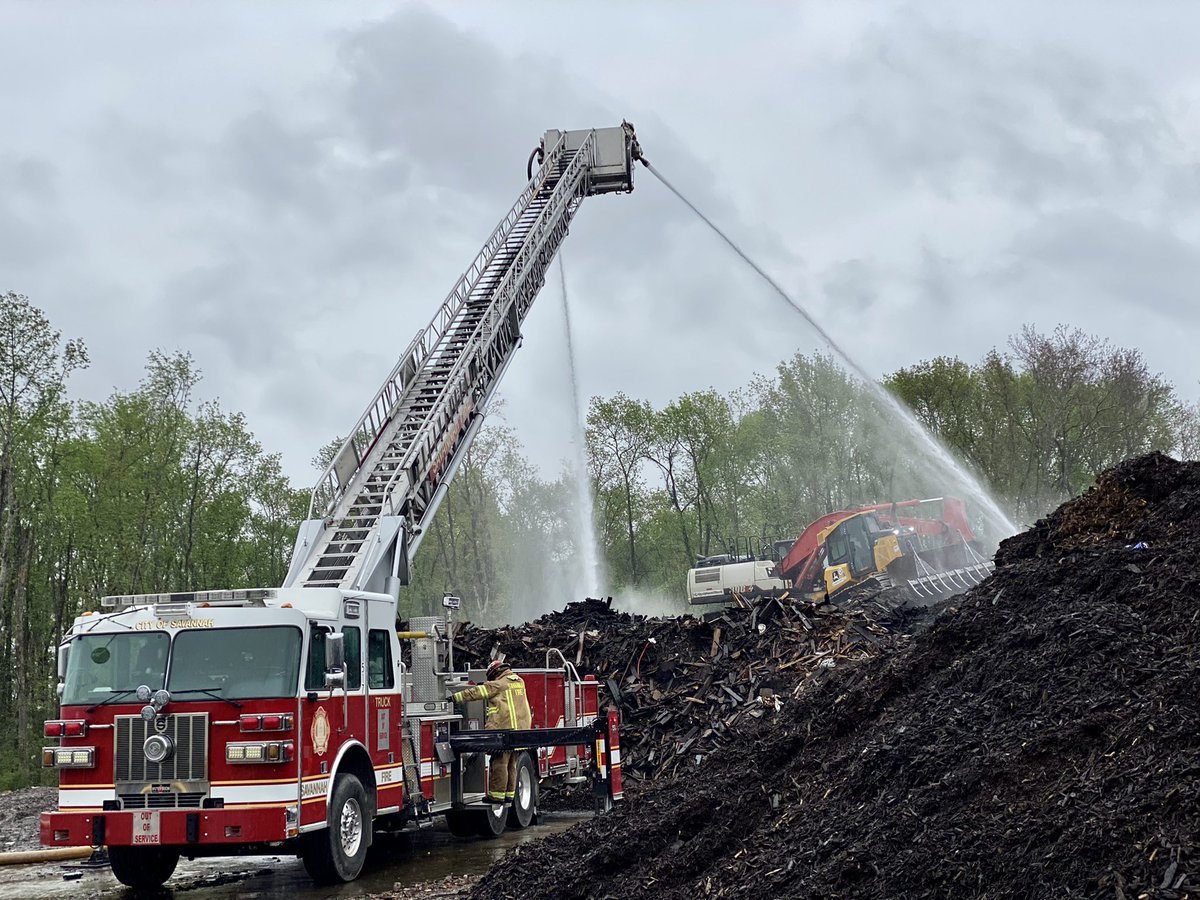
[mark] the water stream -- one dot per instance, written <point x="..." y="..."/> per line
<point x="589" y="576"/>
<point x="970" y="487"/>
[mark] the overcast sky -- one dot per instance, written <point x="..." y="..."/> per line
<point x="288" y="190"/>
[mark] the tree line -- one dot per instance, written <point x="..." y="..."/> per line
<point x="146" y="491"/>
<point x="154" y="489"/>
<point x="1034" y="422"/>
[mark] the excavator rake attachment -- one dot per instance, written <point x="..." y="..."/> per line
<point x="930" y="583"/>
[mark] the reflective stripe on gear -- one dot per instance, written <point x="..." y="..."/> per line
<point x="508" y="705"/>
<point x="510" y="694"/>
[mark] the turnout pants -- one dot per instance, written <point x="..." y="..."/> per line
<point x="502" y="776"/>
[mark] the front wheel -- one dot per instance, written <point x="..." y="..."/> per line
<point x="525" y="800"/>
<point x="338" y="852"/>
<point x="145" y="868"/>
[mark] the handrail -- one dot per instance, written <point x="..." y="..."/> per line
<point x="499" y="307"/>
<point x="405" y="447"/>
<point x="497" y="310"/>
<point x="379" y="410"/>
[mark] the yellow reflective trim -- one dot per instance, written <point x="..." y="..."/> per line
<point x="512" y="709"/>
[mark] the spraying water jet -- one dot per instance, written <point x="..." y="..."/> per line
<point x="997" y="519"/>
<point x="588" y="578"/>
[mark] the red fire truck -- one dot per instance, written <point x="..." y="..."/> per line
<point x="233" y="722"/>
<point x="298" y="719"/>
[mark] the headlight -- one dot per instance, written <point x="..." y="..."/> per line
<point x="69" y="757"/>
<point x="260" y="752"/>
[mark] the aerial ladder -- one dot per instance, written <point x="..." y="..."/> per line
<point x="378" y="495"/>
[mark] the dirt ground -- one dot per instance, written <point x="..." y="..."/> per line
<point x="19" y="814"/>
<point x="451" y="886"/>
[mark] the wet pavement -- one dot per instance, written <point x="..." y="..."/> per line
<point x="414" y="856"/>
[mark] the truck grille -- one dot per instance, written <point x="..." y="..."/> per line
<point x="188" y="763"/>
<point x="171" y="800"/>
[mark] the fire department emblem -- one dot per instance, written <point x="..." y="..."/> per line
<point x="320" y="731"/>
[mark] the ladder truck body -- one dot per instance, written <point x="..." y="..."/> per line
<point x="297" y="719"/>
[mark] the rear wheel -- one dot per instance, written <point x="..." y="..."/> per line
<point x="525" y="801"/>
<point x="338" y="852"/>
<point x="490" y="822"/>
<point x="143" y="867"/>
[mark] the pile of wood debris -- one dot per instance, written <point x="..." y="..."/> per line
<point x="687" y="686"/>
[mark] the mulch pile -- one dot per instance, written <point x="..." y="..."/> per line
<point x="687" y="686"/>
<point x="1041" y="739"/>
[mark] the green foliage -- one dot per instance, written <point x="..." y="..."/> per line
<point x="1040" y="421"/>
<point x="707" y="473"/>
<point x="147" y="491"/>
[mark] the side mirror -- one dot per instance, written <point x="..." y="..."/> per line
<point x="335" y="660"/>
<point x="64" y="651"/>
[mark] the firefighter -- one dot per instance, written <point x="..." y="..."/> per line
<point x="507" y="707"/>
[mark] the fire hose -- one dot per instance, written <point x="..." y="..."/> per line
<point x="27" y="857"/>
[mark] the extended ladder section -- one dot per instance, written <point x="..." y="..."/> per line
<point x="378" y="495"/>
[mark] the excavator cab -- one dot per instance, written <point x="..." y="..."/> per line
<point x="856" y="549"/>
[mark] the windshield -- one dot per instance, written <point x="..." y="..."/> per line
<point x="237" y="663"/>
<point x="100" y="665"/>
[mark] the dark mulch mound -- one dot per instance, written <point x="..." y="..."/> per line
<point x="688" y="686"/>
<point x="1042" y="739"/>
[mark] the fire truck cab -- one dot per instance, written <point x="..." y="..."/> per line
<point x="289" y="720"/>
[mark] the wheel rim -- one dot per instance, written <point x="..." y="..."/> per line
<point x="350" y="827"/>
<point x="524" y="788"/>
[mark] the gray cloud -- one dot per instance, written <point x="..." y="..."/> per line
<point x="853" y="283"/>
<point x="1133" y="265"/>
<point x="1035" y="123"/>
<point x="291" y="200"/>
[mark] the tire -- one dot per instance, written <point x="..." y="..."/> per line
<point x="144" y="868"/>
<point x="524" y="805"/>
<point x="337" y="853"/>
<point x="490" y="822"/>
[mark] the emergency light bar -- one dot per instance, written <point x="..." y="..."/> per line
<point x="251" y="597"/>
